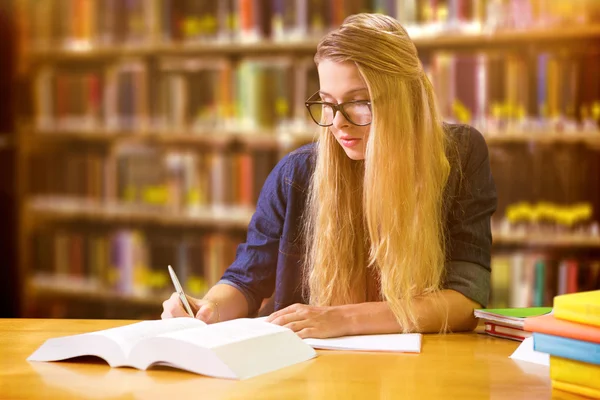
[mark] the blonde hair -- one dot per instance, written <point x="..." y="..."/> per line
<point x="386" y="212"/>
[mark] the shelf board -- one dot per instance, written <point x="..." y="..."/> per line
<point x="238" y="218"/>
<point x="538" y="240"/>
<point x="213" y="138"/>
<point x="441" y="40"/>
<point x="63" y="287"/>
<point x="508" y="37"/>
<point x="592" y="138"/>
<point x="78" y="210"/>
<point x="266" y="140"/>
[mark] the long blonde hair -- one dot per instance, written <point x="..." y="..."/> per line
<point x="386" y="212"/>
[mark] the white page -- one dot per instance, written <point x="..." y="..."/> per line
<point x="227" y="332"/>
<point x="525" y="352"/>
<point x="401" y="342"/>
<point x="127" y="336"/>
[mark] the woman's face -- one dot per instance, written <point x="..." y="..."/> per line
<point x="339" y="83"/>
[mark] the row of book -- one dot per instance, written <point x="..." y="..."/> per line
<point x="542" y="189"/>
<point x="190" y="94"/>
<point x="533" y="279"/>
<point x="546" y="186"/>
<point x="173" y="180"/>
<point x="133" y="262"/>
<point x="518" y="92"/>
<point x="129" y="262"/>
<point x="494" y="92"/>
<point x="83" y="23"/>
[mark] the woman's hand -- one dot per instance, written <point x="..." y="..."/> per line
<point x="312" y="321"/>
<point x="204" y="310"/>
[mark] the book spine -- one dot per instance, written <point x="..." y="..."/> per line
<point x="567" y="348"/>
<point x="577" y="389"/>
<point x="582" y="313"/>
<point x="575" y="372"/>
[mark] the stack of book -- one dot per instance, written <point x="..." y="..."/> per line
<point x="571" y="336"/>
<point x="508" y="323"/>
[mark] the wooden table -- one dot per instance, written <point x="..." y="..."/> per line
<point x="456" y="366"/>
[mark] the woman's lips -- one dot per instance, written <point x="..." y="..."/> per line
<point x="349" y="142"/>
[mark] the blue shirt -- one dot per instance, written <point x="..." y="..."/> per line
<point x="269" y="263"/>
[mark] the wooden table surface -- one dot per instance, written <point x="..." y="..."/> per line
<point x="455" y="366"/>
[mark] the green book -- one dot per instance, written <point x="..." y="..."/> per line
<point x="512" y="317"/>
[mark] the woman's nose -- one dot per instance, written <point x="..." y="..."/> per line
<point x="339" y="121"/>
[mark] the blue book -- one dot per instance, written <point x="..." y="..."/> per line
<point x="573" y="349"/>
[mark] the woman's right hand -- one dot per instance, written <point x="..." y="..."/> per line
<point x="204" y="310"/>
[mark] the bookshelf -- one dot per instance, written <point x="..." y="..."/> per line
<point x="154" y="122"/>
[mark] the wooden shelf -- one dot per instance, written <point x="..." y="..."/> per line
<point x="272" y="140"/>
<point x="592" y="138"/>
<point x="508" y="37"/>
<point x="58" y="209"/>
<point x="68" y="287"/>
<point x="4" y="142"/>
<point x="441" y="40"/>
<point x="238" y="218"/>
<point x="538" y="240"/>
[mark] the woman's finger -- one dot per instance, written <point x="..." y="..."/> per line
<point x="287" y="318"/>
<point x="297" y="326"/>
<point x="283" y="311"/>
<point x="205" y="313"/>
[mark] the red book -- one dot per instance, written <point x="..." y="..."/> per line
<point x="506" y="332"/>
<point x="553" y="326"/>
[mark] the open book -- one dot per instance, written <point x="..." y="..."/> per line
<point x="236" y="349"/>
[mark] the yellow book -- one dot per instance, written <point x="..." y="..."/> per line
<point x="577" y="389"/>
<point x="583" y="307"/>
<point x="575" y="372"/>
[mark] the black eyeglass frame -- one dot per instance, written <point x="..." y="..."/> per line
<point x="336" y="108"/>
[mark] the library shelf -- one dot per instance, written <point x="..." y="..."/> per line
<point x="44" y="286"/>
<point x="442" y="40"/>
<point x="569" y="241"/>
<point x="65" y="210"/>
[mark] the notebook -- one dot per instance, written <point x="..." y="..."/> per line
<point x="511" y="317"/>
<point x="401" y="342"/>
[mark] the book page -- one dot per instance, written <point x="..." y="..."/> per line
<point x="402" y="342"/>
<point x="227" y="332"/>
<point x="129" y="335"/>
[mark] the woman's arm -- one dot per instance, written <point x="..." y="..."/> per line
<point x="433" y="312"/>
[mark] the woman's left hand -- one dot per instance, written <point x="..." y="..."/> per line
<point x="312" y="321"/>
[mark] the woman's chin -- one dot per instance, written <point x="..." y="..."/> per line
<point x="355" y="154"/>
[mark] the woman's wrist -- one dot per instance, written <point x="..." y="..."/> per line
<point x="350" y="315"/>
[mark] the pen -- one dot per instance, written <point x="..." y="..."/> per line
<point x="179" y="291"/>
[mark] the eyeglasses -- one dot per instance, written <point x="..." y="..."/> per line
<point x="357" y="112"/>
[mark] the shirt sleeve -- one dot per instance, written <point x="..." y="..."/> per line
<point x="253" y="271"/>
<point x="468" y="267"/>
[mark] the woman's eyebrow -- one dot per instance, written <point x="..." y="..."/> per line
<point x="322" y="93"/>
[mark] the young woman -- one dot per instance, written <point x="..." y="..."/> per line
<point x="383" y="224"/>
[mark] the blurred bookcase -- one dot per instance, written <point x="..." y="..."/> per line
<point x="152" y="125"/>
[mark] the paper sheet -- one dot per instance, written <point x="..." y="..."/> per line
<point x="405" y="343"/>
<point x="525" y="352"/>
